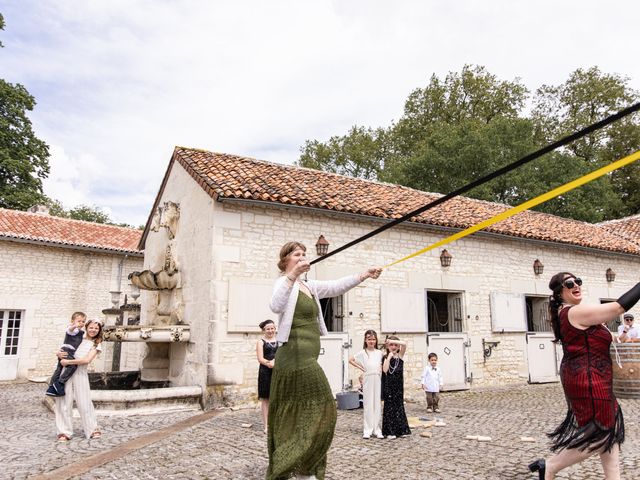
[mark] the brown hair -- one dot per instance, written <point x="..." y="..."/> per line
<point x="286" y="250"/>
<point x="366" y="334"/>
<point x="98" y="338"/>
<point x="555" y="301"/>
<point x="78" y="314"/>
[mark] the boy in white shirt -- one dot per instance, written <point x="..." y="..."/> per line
<point x="432" y="383"/>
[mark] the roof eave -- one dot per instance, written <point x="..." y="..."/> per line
<point x="71" y="246"/>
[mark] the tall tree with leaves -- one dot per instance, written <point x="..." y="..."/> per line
<point x="360" y="153"/>
<point x="471" y="123"/>
<point x="586" y="97"/>
<point x="24" y="158"/>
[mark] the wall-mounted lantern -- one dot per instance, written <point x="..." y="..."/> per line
<point x="445" y="258"/>
<point x="322" y="246"/>
<point x="538" y="267"/>
<point x="610" y="275"/>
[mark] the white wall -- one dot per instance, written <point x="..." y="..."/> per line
<point x="49" y="284"/>
<point x="247" y="240"/>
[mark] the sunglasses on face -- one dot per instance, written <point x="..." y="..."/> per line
<point x="628" y="319"/>
<point x="572" y="282"/>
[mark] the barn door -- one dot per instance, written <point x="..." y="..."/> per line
<point x="453" y="358"/>
<point x="543" y="358"/>
<point x="334" y="359"/>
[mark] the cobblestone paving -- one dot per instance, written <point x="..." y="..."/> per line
<point x="220" y="448"/>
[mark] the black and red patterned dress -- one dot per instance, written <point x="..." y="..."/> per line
<point x="594" y="418"/>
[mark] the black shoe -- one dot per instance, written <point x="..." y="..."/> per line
<point x="51" y="391"/>
<point x="538" y="466"/>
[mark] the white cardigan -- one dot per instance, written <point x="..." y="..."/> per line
<point x="285" y="297"/>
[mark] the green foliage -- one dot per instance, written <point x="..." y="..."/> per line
<point x="471" y="123"/>
<point x="586" y="97"/>
<point x="24" y="159"/>
<point x="83" y="212"/>
<point x="358" y="154"/>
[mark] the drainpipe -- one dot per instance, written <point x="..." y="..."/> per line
<point x="117" y="346"/>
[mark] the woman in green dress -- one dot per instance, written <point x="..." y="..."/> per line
<point x="302" y="410"/>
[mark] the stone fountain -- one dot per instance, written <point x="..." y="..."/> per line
<point x="162" y="329"/>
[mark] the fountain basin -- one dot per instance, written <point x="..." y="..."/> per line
<point x="143" y="401"/>
<point x="141" y="333"/>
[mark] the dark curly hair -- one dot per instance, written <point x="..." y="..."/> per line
<point x="555" y="301"/>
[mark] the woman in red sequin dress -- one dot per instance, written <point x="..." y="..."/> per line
<point x="594" y="422"/>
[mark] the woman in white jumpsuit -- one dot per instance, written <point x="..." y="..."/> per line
<point x="369" y="360"/>
<point x="77" y="387"/>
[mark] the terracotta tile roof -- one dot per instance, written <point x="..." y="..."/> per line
<point x="231" y="176"/>
<point x="15" y="224"/>
<point x="628" y="227"/>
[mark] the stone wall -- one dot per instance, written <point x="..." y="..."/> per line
<point x="49" y="284"/>
<point x="222" y="244"/>
<point x="247" y="239"/>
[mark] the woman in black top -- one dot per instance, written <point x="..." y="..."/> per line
<point x="266" y="353"/>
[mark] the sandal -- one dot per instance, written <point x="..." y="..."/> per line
<point x="96" y="434"/>
<point x="63" y="438"/>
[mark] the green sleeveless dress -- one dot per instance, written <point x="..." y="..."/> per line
<point x="302" y="411"/>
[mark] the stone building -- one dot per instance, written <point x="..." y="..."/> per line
<point x="484" y="314"/>
<point x="49" y="268"/>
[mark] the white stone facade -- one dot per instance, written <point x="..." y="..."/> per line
<point x="48" y="284"/>
<point x="221" y="246"/>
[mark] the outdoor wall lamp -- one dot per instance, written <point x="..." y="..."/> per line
<point x="610" y="275"/>
<point x="322" y="246"/>
<point x="538" y="267"/>
<point x="445" y="258"/>
<point x="487" y="348"/>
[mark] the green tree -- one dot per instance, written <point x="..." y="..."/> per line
<point x="24" y="159"/>
<point x="89" y="214"/>
<point x="360" y="153"/>
<point x="471" y="95"/>
<point x="471" y="123"/>
<point x="80" y="212"/>
<point x="586" y="97"/>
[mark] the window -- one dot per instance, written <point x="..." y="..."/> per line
<point x="444" y="311"/>
<point x="333" y="313"/>
<point x="10" y="324"/>
<point x="538" y="314"/>
<point x="612" y="324"/>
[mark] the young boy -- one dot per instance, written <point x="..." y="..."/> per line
<point x="432" y="383"/>
<point x="72" y="340"/>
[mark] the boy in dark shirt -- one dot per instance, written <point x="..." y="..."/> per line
<point x="72" y="340"/>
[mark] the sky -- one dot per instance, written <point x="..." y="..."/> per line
<point x="120" y="83"/>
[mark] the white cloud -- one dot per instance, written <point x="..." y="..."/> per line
<point x="120" y="83"/>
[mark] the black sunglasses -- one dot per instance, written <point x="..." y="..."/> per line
<point x="572" y="282"/>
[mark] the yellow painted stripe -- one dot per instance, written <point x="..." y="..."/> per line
<point x="527" y="205"/>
